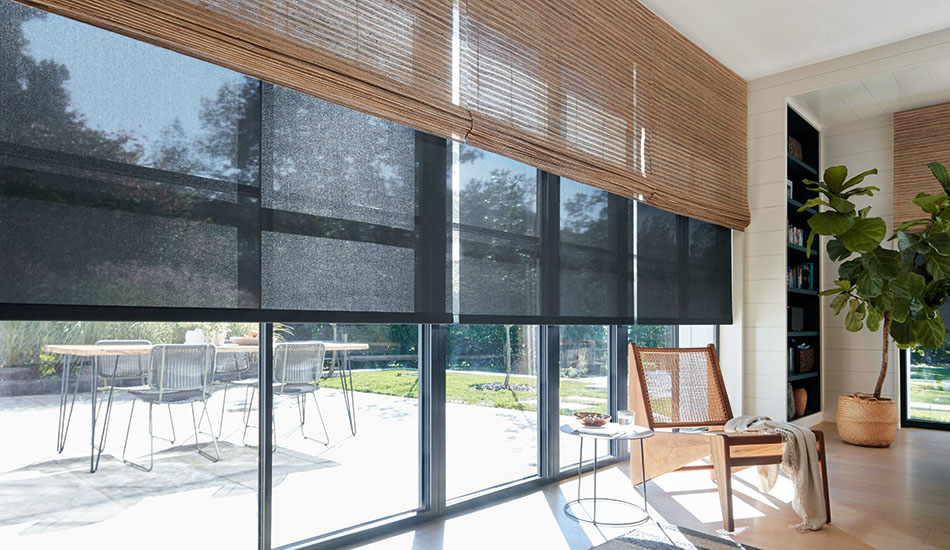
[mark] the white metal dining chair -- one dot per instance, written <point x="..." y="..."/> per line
<point x="298" y="368"/>
<point x="177" y="374"/>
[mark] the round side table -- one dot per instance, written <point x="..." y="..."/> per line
<point x="608" y="432"/>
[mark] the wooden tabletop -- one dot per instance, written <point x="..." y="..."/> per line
<point x="89" y="350"/>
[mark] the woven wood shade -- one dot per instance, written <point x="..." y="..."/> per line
<point x="921" y="136"/>
<point x="602" y="92"/>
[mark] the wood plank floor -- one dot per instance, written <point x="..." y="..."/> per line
<point x="889" y="499"/>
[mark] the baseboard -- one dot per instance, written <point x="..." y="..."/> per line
<point x="811" y="420"/>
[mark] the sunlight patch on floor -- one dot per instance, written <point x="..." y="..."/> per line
<point x="705" y="507"/>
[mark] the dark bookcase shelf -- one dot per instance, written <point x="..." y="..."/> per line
<point x="802" y="302"/>
<point x="801" y="164"/>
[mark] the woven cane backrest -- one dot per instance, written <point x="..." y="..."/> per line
<point x="680" y="387"/>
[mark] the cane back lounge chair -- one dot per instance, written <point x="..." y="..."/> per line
<point x="680" y="394"/>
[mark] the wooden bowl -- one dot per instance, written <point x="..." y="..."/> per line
<point x="592" y="419"/>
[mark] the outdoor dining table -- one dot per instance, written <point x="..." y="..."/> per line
<point x="74" y="354"/>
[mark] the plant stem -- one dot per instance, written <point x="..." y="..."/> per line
<point x="880" y="379"/>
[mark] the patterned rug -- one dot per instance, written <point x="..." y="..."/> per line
<point x="657" y="536"/>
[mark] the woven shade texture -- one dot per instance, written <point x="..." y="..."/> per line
<point x="921" y="136"/>
<point x="602" y="92"/>
<point x="682" y="387"/>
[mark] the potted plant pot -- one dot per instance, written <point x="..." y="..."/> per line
<point x="866" y="420"/>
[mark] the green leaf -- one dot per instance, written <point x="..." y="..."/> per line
<point x="929" y="332"/>
<point x="836" y="250"/>
<point x="843" y="206"/>
<point x="882" y="263"/>
<point x="863" y="213"/>
<point x="940" y="173"/>
<point x="903" y="331"/>
<point x="909" y="285"/>
<point x="859" y="178"/>
<point x="839" y="302"/>
<point x="834" y="178"/>
<point x="912" y="223"/>
<point x="865" y="235"/>
<point x="869" y="191"/>
<point x="900" y="310"/>
<point x="938" y="266"/>
<point x="811" y="239"/>
<point x="939" y="242"/>
<point x="831" y="223"/>
<point x="854" y="320"/>
<point x="811" y="203"/>
<point x="850" y="270"/>
<point x="874" y="319"/>
<point x="927" y="203"/>
<point x="870" y="285"/>
<point x="831" y="291"/>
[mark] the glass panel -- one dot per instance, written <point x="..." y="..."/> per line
<point x="84" y="91"/>
<point x="332" y="162"/>
<point x="50" y="498"/>
<point x="497" y="227"/>
<point x="928" y="384"/>
<point x="101" y="138"/>
<point x="653" y="336"/>
<point x="588" y="263"/>
<point x="303" y="272"/>
<point x="343" y="458"/>
<point x="584" y="385"/>
<point x="657" y="278"/>
<point x="341" y="189"/>
<point x="491" y="384"/>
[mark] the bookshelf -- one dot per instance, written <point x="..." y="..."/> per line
<point x="803" y="272"/>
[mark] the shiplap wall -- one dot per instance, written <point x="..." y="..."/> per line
<point x="763" y="244"/>
<point x="853" y="359"/>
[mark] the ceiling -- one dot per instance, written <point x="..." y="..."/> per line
<point x="756" y="38"/>
<point x="910" y="88"/>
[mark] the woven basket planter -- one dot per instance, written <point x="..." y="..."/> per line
<point x="867" y="422"/>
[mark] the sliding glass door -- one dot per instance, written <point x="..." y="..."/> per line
<point x="925" y="375"/>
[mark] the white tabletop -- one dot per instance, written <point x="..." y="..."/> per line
<point x="610" y="430"/>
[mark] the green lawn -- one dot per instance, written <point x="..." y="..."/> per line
<point x="927" y="391"/>
<point x="459" y="388"/>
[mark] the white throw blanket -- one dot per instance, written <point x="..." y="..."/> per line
<point x="800" y="462"/>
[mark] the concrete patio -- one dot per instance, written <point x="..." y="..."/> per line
<point x="50" y="500"/>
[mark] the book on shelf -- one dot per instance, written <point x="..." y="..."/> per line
<point x="800" y="276"/>
<point x="796" y="236"/>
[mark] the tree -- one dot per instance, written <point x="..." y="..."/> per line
<point x="902" y="288"/>
<point x="36" y="104"/>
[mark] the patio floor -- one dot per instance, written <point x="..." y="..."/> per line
<point x="50" y="500"/>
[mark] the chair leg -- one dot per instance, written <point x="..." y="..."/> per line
<point x="151" y="441"/>
<point x="247" y="419"/>
<point x="172" y="422"/>
<point x="247" y="414"/>
<point x="302" y="410"/>
<point x="224" y="403"/>
<point x="214" y="440"/>
<point x="722" y="464"/>
<point x="823" y="462"/>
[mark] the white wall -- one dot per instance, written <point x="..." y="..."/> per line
<point x="852" y="360"/>
<point x="763" y="307"/>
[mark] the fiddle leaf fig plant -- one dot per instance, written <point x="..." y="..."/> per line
<point x="900" y="289"/>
